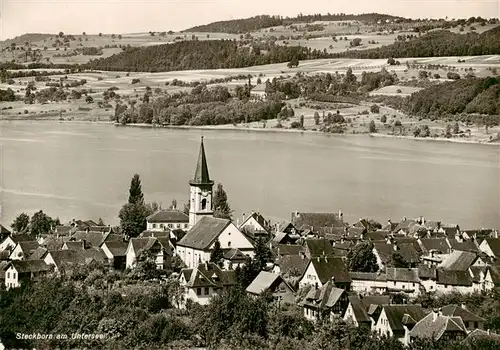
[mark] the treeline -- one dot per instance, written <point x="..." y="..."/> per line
<point x="246" y="25"/>
<point x="471" y="96"/>
<point x="209" y="54"/>
<point x="434" y="44"/>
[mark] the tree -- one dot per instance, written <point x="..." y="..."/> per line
<point x="61" y="34"/>
<point x="383" y="119"/>
<point x="135" y="191"/>
<point x="316" y="118"/>
<point x="20" y="223"/>
<point x="374" y="108"/>
<point x="456" y="128"/>
<point x="100" y="222"/>
<point x="302" y="121"/>
<point x="371" y="127"/>
<point x="362" y="258"/>
<point x="221" y="206"/>
<point x="294" y="62"/>
<point x="89" y="99"/>
<point x="41" y="223"/>
<point x="398" y="260"/>
<point x="216" y="255"/>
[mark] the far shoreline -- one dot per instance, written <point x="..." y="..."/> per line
<point x="230" y="127"/>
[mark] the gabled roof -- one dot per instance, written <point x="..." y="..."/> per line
<point x="324" y="297"/>
<point x="495" y="274"/>
<point x="316" y="220"/>
<point x="75" y="245"/>
<point x="435" y="325"/>
<point x="147" y="233"/>
<point x="201" y="176"/>
<point x="38" y="254"/>
<point x="454" y="278"/>
<point x="4" y="230"/>
<point x="289" y="249"/>
<point x="402" y="274"/>
<point x="264" y="282"/>
<point x="21" y="237"/>
<point x="208" y="275"/>
<point x="378" y="235"/>
<point x="367" y="276"/>
<point x="465" y="315"/>
<point x="358" y="309"/>
<point x="28" y="246"/>
<point x="494" y="244"/>
<point x="479" y="333"/>
<point x="427" y="272"/>
<point x="23" y="266"/>
<point x="458" y="261"/>
<point x="140" y="245"/>
<point x="318" y="247"/>
<point x="64" y="230"/>
<point x="235" y="254"/>
<point x="117" y="248"/>
<point x="204" y="233"/>
<point x="168" y="216"/>
<point x="63" y="257"/>
<point x="385" y="252"/>
<point x="95" y="239"/>
<point x="331" y="267"/>
<point x="477" y="271"/>
<point x="395" y="314"/>
<point x="260" y="220"/>
<point x="370" y="300"/>
<point x="292" y="264"/>
<point x="439" y="245"/>
<point x="466" y="246"/>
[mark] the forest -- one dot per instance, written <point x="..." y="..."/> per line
<point x="246" y="25"/>
<point x="435" y="44"/>
<point x="209" y="54"/>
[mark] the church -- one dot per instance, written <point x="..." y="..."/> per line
<point x="204" y="229"/>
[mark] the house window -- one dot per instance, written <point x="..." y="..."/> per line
<point x="198" y="291"/>
<point x="207" y="291"/>
<point x="154" y="225"/>
<point x="170" y="225"/>
<point x="8" y="274"/>
<point x="178" y="225"/>
<point x="203" y="204"/>
<point x="475" y="324"/>
<point x="229" y="243"/>
<point x="185" y="225"/>
<point x="13" y="275"/>
<point x="229" y="233"/>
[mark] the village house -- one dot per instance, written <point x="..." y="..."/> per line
<point x="94" y="238"/>
<point x="368" y="282"/>
<point x="454" y="281"/>
<point x="492" y="277"/>
<point x="461" y="261"/>
<point x="428" y="277"/>
<point x="322" y="270"/>
<point x="137" y="246"/>
<point x="285" y="238"/>
<point x="325" y="301"/>
<point x="255" y="225"/>
<point x="362" y="311"/>
<point x="11" y="241"/>
<point x="313" y="221"/>
<point x="267" y="282"/>
<point x="405" y="280"/>
<point x="470" y="320"/>
<point x="384" y="254"/>
<point x="439" y="327"/>
<point x="18" y="271"/>
<point x="317" y="247"/>
<point x="167" y="218"/>
<point x="259" y="91"/>
<point x="68" y="259"/>
<point x="288" y="249"/>
<point x="234" y="258"/>
<point x="291" y="267"/>
<point x="398" y="320"/>
<point x="116" y="253"/>
<point x="490" y="246"/>
<point x="23" y="250"/>
<point x="203" y="282"/>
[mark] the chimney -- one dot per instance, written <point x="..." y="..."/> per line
<point x="389" y="222"/>
<point x="404" y="218"/>
<point x="464" y="306"/>
<point x="243" y="215"/>
<point x="87" y="230"/>
<point x="340" y="213"/>
<point x="395" y="247"/>
<point x="297" y="214"/>
<point x="435" y="314"/>
<point x="206" y="265"/>
<point x="277" y="227"/>
<point x="237" y="222"/>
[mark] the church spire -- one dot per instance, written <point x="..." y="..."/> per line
<point x="201" y="176"/>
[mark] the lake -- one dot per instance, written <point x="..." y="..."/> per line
<point x="83" y="171"/>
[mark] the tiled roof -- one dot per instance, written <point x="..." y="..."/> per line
<point x="323" y="297"/>
<point x="477" y="271"/>
<point x="117" y="248"/>
<point x="402" y="274"/>
<point x="23" y="266"/>
<point x="260" y="220"/>
<point x="466" y="246"/>
<point x="201" y="176"/>
<point x="479" y="333"/>
<point x="63" y="257"/>
<point x="454" y="278"/>
<point x="316" y="220"/>
<point x="204" y="233"/>
<point x="494" y="244"/>
<point x="465" y="315"/>
<point x="208" y="275"/>
<point x="235" y="255"/>
<point x="495" y="274"/>
<point x="439" y="245"/>
<point x="4" y="230"/>
<point x="318" y="247"/>
<point x="407" y="251"/>
<point x="95" y="239"/>
<point x="292" y="265"/>
<point x="378" y="235"/>
<point x="28" y="246"/>
<point x="331" y="267"/>
<point x="375" y="300"/>
<point x="75" y="245"/>
<point x="458" y="261"/>
<point x="168" y="216"/>
<point x="264" y="281"/>
<point x="358" y="309"/>
<point x="367" y="276"/>
<point x="289" y="249"/>
<point x="38" y="254"/>
<point x="21" y="237"/>
<point x="142" y="244"/>
<point x="395" y="314"/>
<point x="434" y="326"/>
<point x="427" y="272"/>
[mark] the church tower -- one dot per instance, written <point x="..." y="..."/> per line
<point x="200" y="199"/>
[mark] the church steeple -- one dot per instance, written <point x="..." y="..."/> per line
<point x="200" y="201"/>
<point x="201" y="176"/>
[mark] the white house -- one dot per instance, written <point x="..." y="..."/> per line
<point x="398" y="320"/>
<point x="428" y="276"/>
<point x="204" y="281"/>
<point x="404" y="280"/>
<point x="321" y="270"/>
<point x="18" y="271"/>
<point x="255" y="223"/>
<point x="23" y="250"/>
<point x="454" y="281"/>
<point x="167" y="218"/>
<point x="363" y="311"/>
<point x="259" y="91"/>
<point x="137" y="246"/>
<point x="368" y="282"/>
<point x="11" y="241"/>
<point x="491" y="246"/>
<point x="196" y="245"/>
<point x="326" y="298"/>
<point x="116" y="253"/>
<point x="267" y="282"/>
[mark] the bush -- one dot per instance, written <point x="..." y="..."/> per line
<point x="135" y="80"/>
<point x="374" y="108"/>
<point x="383" y="119"/>
<point x="372" y="127"/>
<point x="295" y="125"/>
